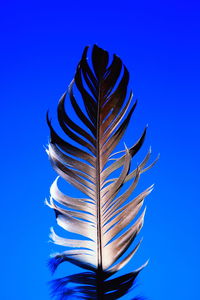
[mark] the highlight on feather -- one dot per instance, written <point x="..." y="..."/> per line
<point x="106" y="218"/>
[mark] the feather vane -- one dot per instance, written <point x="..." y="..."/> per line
<point x="108" y="222"/>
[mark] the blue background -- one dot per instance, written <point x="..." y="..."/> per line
<point x="41" y="44"/>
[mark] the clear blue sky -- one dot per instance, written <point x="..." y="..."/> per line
<point x="41" y="44"/>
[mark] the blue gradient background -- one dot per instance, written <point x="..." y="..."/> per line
<point x="41" y="44"/>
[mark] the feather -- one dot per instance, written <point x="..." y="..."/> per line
<point x="109" y="222"/>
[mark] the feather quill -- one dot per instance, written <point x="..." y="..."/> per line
<point x="107" y="221"/>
